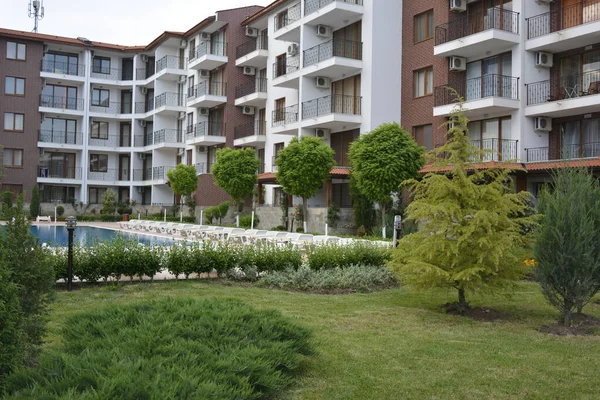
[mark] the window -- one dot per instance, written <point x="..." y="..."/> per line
<point x="279" y="109"/>
<point x="15" y="51"/>
<point x="277" y="147"/>
<point x="99" y="130"/>
<point x="13" y="122"/>
<point x="423" y="24"/>
<point x="101" y="65"/>
<point x="423" y="82"/>
<point x="58" y="130"/>
<point x="424" y="136"/>
<point x="15" y="86"/>
<point x="57" y="63"/>
<point x="98" y="162"/>
<point x="190" y="123"/>
<point x="95" y="195"/>
<point x="192" y="49"/>
<point x="100" y="97"/>
<point x="13" y="158"/>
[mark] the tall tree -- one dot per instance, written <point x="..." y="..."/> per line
<point x="235" y="173"/>
<point x="303" y="166"/>
<point x="470" y="222"/>
<point x="567" y="246"/>
<point x="381" y="160"/>
<point x="34" y="205"/>
<point x="183" y="181"/>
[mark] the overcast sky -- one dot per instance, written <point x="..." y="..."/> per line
<point x="128" y="22"/>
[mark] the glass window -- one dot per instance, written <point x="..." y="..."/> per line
<point x="13" y="158"/>
<point x="423" y="82"/>
<point x="100" y="97"/>
<point x="96" y="195"/>
<point x="423" y="24"/>
<point x="99" y="130"/>
<point x="101" y="65"/>
<point x="13" y="122"/>
<point x="16" y="51"/>
<point x="98" y="162"/>
<point x="15" y="86"/>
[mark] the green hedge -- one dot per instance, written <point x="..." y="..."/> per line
<point x="337" y="256"/>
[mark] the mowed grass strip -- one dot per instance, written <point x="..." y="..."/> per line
<point x="398" y="344"/>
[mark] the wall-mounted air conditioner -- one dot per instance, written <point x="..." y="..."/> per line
<point x="144" y="58"/>
<point x="251" y="32"/>
<point x="324" y="31"/>
<point x="204" y="36"/>
<point x="142" y="123"/>
<point x="180" y="152"/>
<point x="203" y="111"/>
<point x="182" y="79"/>
<point x="201" y="149"/>
<point x="248" y="110"/>
<point x="458" y="63"/>
<point x="322" y="82"/>
<point x="458" y="5"/>
<point x="183" y="44"/>
<point x="542" y="124"/>
<point x="140" y="189"/>
<point x="143" y="90"/>
<point x="249" y="71"/>
<point x="204" y="74"/>
<point x="543" y="59"/>
<point x="293" y="49"/>
<point x="322" y="133"/>
<point x="142" y="156"/>
<point x="181" y="115"/>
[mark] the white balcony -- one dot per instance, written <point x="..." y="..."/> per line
<point x="63" y="71"/>
<point x="333" y="59"/>
<point x="333" y="13"/>
<point x="60" y="140"/>
<point x="171" y="68"/>
<point x="59" y="174"/>
<point x="286" y="121"/>
<point x="250" y="134"/>
<point x="335" y="112"/>
<point x="286" y="74"/>
<point x="207" y="94"/>
<point x="62" y="105"/>
<point x="287" y="24"/>
<point x="253" y="53"/>
<point x="169" y="104"/>
<point x="208" y="55"/>
<point x="206" y="133"/>
<point x="253" y="93"/>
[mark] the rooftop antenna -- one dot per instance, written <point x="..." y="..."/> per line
<point x="36" y="11"/>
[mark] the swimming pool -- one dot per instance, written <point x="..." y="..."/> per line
<point x="57" y="236"/>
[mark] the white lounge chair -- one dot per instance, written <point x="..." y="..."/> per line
<point x="302" y="239"/>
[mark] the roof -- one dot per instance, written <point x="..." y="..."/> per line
<point x="478" y="166"/>
<point x="548" y="165"/>
<point x="264" y="11"/>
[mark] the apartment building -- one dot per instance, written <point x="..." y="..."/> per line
<point x="528" y="71"/>
<point x="325" y="68"/>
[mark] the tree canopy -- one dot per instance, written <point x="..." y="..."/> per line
<point x="235" y="173"/>
<point x="183" y="180"/>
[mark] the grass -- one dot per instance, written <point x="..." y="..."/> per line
<point x="397" y="344"/>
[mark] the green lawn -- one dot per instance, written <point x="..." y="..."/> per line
<point x="397" y="344"/>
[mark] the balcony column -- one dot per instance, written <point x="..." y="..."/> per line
<point x="328" y="192"/>
<point x="260" y="193"/>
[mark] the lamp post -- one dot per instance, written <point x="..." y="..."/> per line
<point x="71" y="224"/>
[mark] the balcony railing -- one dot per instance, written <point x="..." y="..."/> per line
<point x="209" y="47"/>
<point x="491" y="85"/>
<point x="287" y="66"/>
<point x="167" y="136"/>
<point x="63" y="68"/>
<point x="259" y="85"/>
<point x="111" y="174"/>
<point x="466" y="24"/>
<point x="310" y="6"/>
<point x="66" y="103"/>
<point x="113" y="74"/>
<point x="259" y="43"/>
<point x="143" y="73"/>
<point x="144" y="106"/>
<point x="59" y="172"/>
<point x="331" y="104"/>
<point x="205" y="128"/>
<point x="333" y="48"/>
<point x="200" y="168"/>
<point x="497" y="149"/>
<point x="207" y="88"/>
<point x="563" y="17"/>
<point x="567" y="152"/>
<point x="169" y="99"/>
<point x="564" y="87"/>
<point x="258" y="128"/>
<point x="111" y="107"/>
<point x="285" y="116"/>
<point x="288" y="16"/>
<point x="142" y="174"/>
<point x="60" y="137"/>
<point x="110" y="141"/>
<point x="160" y="172"/>
<point x="172" y="62"/>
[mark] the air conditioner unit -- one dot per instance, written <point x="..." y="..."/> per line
<point x="322" y="82"/>
<point x="458" y="64"/>
<point x="251" y="32"/>
<point x="324" y="31"/>
<point x="201" y="149"/>
<point x="322" y="132"/>
<point x="543" y="59"/>
<point x="203" y="111"/>
<point x="140" y="189"/>
<point x="183" y="44"/>
<point x="248" y="110"/>
<point x="249" y="71"/>
<point x="142" y="123"/>
<point x="204" y="73"/>
<point x="181" y="115"/>
<point x="458" y="5"/>
<point x="142" y="156"/>
<point x="143" y="90"/>
<point x="182" y="79"/>
<point x="144" y="58"/>
<point x="543" y="124"/>
<point x="180" y="152"/>
<point x="204" y="36"/>
<point x="293" y="49"/>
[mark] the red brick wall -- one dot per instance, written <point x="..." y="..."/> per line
<point x="28" y="105"/>
<point x="419" y="111"/>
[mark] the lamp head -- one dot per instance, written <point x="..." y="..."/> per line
<point x="71" y="222"/>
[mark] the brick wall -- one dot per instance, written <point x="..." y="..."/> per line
<point x="28" y="105"/>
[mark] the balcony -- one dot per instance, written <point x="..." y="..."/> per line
<point x="250" y="134"/>
<point x="115" y="109"/>
<point x="168" y="138"/>
<point x="111" y="142"/>
<point x="62" y="70"/>
<point x="111" y="175"/>
<point x="169" y="103"/>
<point x="472" y="34"/>
<point x="569" y="27"/>
<point x="333" y="59"/>
<point x="58" y="174"/>
<point x="497" y="149"/>
<point x="170" y="68"/>
<point x="59" y="139"/>
<point x="568" y="152"/>
<point x="115" y="75"/>
<point x="141" y="74"/>
<point x="287" y="24"/>
<point x="208" y="55"/>
<point x="286" y="73"/>
<point x="563" y="96"/>
<point x="207" y="94"/>
<point x="67" y="105"/>
<point x="142" y="174"/>
<point x="285" y="120"/>
<point x="160" y="173"/>
<point x="206" y="133"/>
<point x="491" y="95"/>
<point x="336" y="112"/>
<point x="253" y="93"/>
<point x="332" y="12"/>
<point x="253" y="53"/>
<point x="143" y="107"/>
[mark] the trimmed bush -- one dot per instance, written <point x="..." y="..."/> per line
<point x="169" y="349"/>
<point x="246" y="221"/>
<point x="60" y="210"/>
<point x="336" y="256"/>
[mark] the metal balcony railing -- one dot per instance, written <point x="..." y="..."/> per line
<point x="200" y="168"/>
<point x="564" y="87"/>
<point x="59" y="172"/>
<point x="111" y="107"/>
<point x="110" y="174"/>
<point x="167" y="136"/>
<point x="113" y="74"/>
<point x="144" y="106"/>
<point x="567" y="152"/>
<point x="216" y="48"/>
<point x="470" y="23"/>
<point x="258" y="128"/>
<point x="172" y="62"/>
<point x="287" y="66"/>
<point x="259" y="43"/>
<point x="563" y="17"/>
<point x="63" y="68"/>
<point x="144" y="73"/>
<point x="333" y="48"/>
<point x="205" y="128"/>
<point x="496" y="149"/>
<point x="110" y="141"/>
<point x="159" y="173"/>
<point x="331" y="104"/>
<point x="491" y="85"/>
<point x="64" y="103"/>
<point x="287" y="16"/>
<point x="141" y="140"/>
<point x="207" y="88"/>
<point x="259" y="85"/>
<point x="60" y="137"/>
<point x="285" y="116"/>
<point x="142" y="174"/>
<point x="310" y="6"/>
<point x="169" y="99"/>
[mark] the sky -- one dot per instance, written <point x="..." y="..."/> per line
<point x="127" y="22"/>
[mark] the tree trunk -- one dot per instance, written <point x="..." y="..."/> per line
<point x="462" y="301"/>
<point x="304" y="213"/>
<point x="383" y="232"/>
<point x="567" y="318"/>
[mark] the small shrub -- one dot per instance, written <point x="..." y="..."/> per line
<point x="300" y="229"/>
<point x="335" y="256"/>
<point x="110" y="218"/>
<point x="361" y="231"/>
<point x="60" y="210"/>
<point x="246" y="221"/>
<point x="279" y="228"/>
<point x="333" y="215"/>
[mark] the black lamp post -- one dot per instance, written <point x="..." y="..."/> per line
<point x="71" y="224"/>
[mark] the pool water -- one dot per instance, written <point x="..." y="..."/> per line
<point x="57" y="236"/>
